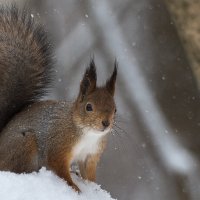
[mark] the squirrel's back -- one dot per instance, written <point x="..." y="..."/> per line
<point x="25" y="61"/>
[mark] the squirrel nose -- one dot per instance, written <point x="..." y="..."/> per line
<point x="105" y="123"/>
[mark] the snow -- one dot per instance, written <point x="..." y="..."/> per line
<point x="45" y="185"/>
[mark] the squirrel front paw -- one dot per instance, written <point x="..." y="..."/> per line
<point x="75" y="187"/>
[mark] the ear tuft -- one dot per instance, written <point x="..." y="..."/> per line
<point x="88" y="83"/>
<point x="90" y="72"/>
<point x="110" y="84"/>
<point x="83" y="88"/>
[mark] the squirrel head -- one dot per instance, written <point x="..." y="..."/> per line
<point x="95" y="106"/>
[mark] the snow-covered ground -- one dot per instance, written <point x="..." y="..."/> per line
<point x="46" y="186"/>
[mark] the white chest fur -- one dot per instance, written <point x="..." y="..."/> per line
<point x="88" y="144"/>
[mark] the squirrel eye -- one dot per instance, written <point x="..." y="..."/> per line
<point x="89" y="107"/>
<point x="115" y="110"/>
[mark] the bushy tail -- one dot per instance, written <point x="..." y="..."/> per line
<point x="26" y="63"/>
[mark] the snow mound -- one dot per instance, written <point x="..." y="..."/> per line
<point x="47" y="186"/>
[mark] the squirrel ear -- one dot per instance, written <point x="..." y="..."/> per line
<point x="88" y="83"/>
<point x="110" y="84"/>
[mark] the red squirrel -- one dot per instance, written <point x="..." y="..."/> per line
<point x="53" y="134"/>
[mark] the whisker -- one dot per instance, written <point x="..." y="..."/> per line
<point x="114" y="137"/>
<point x="117" y="133"/>
<point x="122" y="131"/>
<point x="119" y="144"/>
<point x="123" y="141"/>
<point x="119" y="119"/>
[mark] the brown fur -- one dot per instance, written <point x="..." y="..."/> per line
<point x="88" y="168"/>
<point x="46" y="132"/>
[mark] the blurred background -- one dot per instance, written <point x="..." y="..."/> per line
<point x="154" y="151"/>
